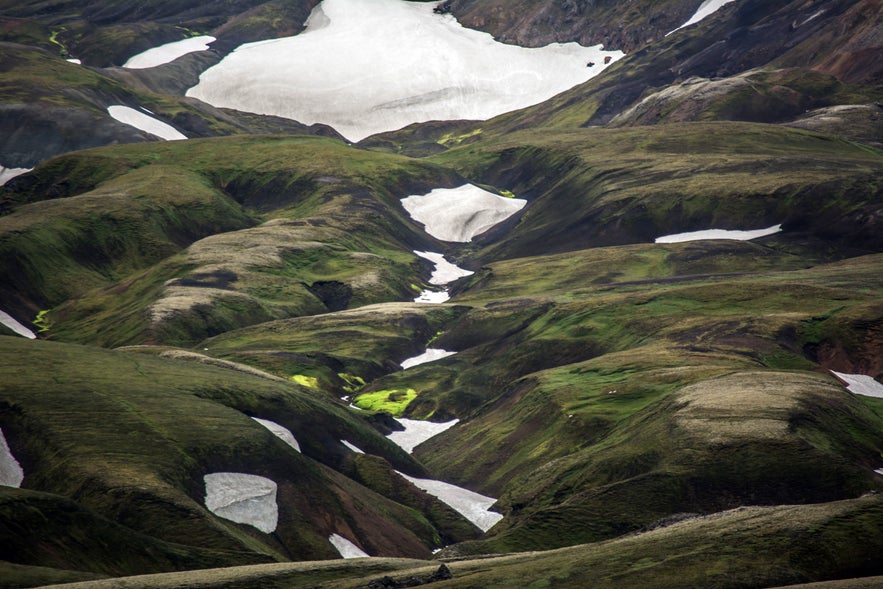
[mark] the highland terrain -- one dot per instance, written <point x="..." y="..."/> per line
<point x="258" y="330"/>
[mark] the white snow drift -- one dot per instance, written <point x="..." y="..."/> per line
<point x="707" y="8"/>
<point x="719" y="234"/>
<point x="416" y="432"/>
<point x="168" y="53"/>
<point x="346" y="548"/>
<point x="459" y="214"/>
<point x="443" y="273"/>
<point x="861" y="384"/>
<point x="471" y="505"/>
<point x="144" y="122"/>
<point x="282" y="432"/>
<point x="430" y="355"/>
<point x="11" y="473"/>
<point x="433" y="297"/>
<point x="10" y="322"/>
<point x="352" y="447"/>
<point x="7" y="174"/>
<point x="367" y="66"/>
<point x="242" y="498"/>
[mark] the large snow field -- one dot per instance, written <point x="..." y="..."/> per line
<point x="471" y="505"/>
<point x="416" y="432"/>
<point x="719" y="234"/>
<point x="368" y="66"/>
<point x="242" y="498"/>
<point x="134" y="118"/>
<point x="168" y="53"/>
<point x="459" y="214"/>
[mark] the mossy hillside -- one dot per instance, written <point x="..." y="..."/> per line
<point x="141" y="464"/>
<point x="633" y="185"/>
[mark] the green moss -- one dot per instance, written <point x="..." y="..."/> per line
<point x="393" y="401"/>
<point x="307" y="381"/>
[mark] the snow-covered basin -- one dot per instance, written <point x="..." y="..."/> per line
<point x="719" y="234"/>
<point x="471" y="505"/>
<point x="861" y="384"/>
<point x="168" y="53"/>
<point x="7" y="174"/>
<point x="430" y="355"/>
<point x="144" y="122"/>
<point x="282" y="432"/>
<point x="346" y="548"/>
<point x="459" y="214"/>
<point x="368" y="66"/>
<point x="416" y="432"/>
<point x="11" y="473"/>
<point x="243" y="498"/>
<point x="707" y="8"/>
<point x="11" y="322"/>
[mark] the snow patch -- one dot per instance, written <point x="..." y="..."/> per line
<point x="861" y="384"/>
<point x="11" y="473"/>
<point x="433" y="297"/>
<point x="459" y="214"/>
<point x="416" y="432"/>
<point x="368" y="66"/>
<point x="74" y="61"/>
<point x="879" y="471"/>
<point x="430" y="355"/>
<point x="148" y="124"/>
<point x="471" y="505"/>
<point x="707" y="8"/>
<point x="719" y="234"/>
<point x="282" y="432"/>
<point x="444" y="272"/>
<point x="10" y="322"/>
<point x="7" y="174"/>
<point x="352" y="447"/>
<point x="242" y="498"/>
<point x="168" y="53"/>
<point x="346" y="548"/>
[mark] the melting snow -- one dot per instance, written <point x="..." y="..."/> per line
<point x="352" y="447"/>
<point x="346" y="548"/>
<point x="367" y="66"/>
<point x="243" y="498"/>
<point x="146" y="123"/>
<point x="459" y="214"/>
<point x="861" y="384"/>
<point x="282" y="432"/>
<point x="719" y="234"/>
<point x="707" y="8"/>
<point x="469" y="504"/>
<point x="7" y="174"/>
<point x="11" y="473"/>
<point x="434" y="297"/>
<point x="879" y="471"/>
<point x="10" y="322"/>
<point x="168" y="53"/>
<point x="444" y="272"/>
<point x="416" y="432"/>
<point x="430" y="355"/>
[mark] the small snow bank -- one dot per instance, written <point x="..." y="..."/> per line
<point x="416" y="432"/>
<point x="444" y="272"/>
<point x="352" y="447"/>
<point x="346" y="548"/>
<point x="879" y="471"/>
<point x="10" y="322"/>
<point x="168" y="53"/>
<point x="7" y="174"/>
<point x="242" y="498"/>
<point x="707" y="8"/>
<point x="368" y="66"/>
<point x="139" y="120"/>
<point x="430" y="355"/>
<point x="74" y="61"/>
<point x="433" y="297"/>
<point x="861" y="384"/>
<point x="459" y="214"/>
<point x="471" y="505"/>
<point x="11" y="473"/>
<point x="719" y="234"/>
<point x="282" y="432"/>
